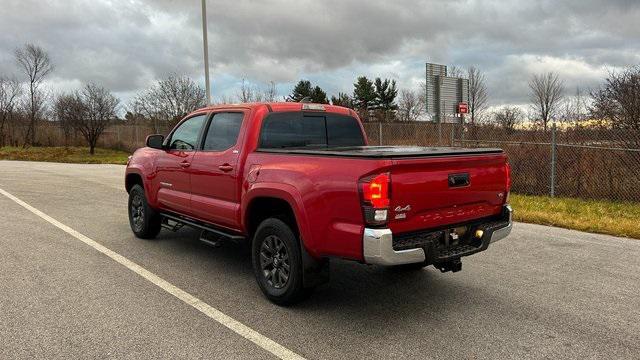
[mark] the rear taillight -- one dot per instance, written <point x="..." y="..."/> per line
<point x="374" y="191"/>
<point x="508" y="173"/>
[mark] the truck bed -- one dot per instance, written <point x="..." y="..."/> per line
<point x="386" y="152"/>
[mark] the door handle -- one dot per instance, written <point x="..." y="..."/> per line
<point x="225" y="167"/>
<point x="185" y="164"/>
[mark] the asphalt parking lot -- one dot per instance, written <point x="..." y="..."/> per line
<point x="542" y="293"/>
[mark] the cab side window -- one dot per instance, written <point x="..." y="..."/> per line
<point x="185" y="137"/>
<point x="223" y="131"/>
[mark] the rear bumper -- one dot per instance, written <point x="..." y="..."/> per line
<point x="378" y="249"/>
<point x="503" y="232"/>
<point x="378" y="244"/>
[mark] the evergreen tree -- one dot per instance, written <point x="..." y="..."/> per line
<point x="342" y="100"/>
<point x="364" y="94"/>
<point x="386" y="93"/>
<point x="302" y="89"/>
<point x="318" y="96"/>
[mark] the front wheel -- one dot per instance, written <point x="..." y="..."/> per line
<point x="277" y="262"/>
<point x="145" y="222"/>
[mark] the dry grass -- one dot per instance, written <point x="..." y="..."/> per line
<point x="605" y="217"/>
<point x="78" y="155"/>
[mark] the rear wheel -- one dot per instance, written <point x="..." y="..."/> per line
<point x="277" y="262"/>
<point x="145" y="222"/>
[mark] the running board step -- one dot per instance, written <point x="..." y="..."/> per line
<point x="211" y="239"/>
<point x="173" y="227"/>
<point x="205" y="227"/>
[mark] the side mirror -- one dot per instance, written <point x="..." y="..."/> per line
<point x="155" y="141"/>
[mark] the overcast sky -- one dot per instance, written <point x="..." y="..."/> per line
<point x="126" y="44"/>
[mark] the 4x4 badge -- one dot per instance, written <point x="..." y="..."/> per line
<point x="403" y="208"/>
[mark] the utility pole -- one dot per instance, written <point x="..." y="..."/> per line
<point x="205" y="42"/>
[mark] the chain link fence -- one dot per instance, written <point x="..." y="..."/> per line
<point x="568" y="161"/>
<point x="119" y="136"/>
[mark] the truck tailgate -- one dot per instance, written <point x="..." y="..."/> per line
<point x="432" y="192"/>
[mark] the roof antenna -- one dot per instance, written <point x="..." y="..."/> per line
<point x="306" y="99"/>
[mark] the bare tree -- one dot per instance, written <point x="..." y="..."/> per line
<point x="574" y="109"/>
<point x="455" y="71"/>
<point x="88" y="111"/>
<point x="423" y="95"/>
<point x="617" y="102"/>
<point x="101" y="107"/>
<point x="69" y="110"/>
<point x="36" y="65"/>
<point x="247" y="93"/>
<point x="477" y="93"/>
<point x="169" y="100"/>
<point x="271" y="92"/>
<point x="546" y="95"/>
<point x="508" y="117"/>
<point x="225" y="99"/>
<point x="411" y="105"/>
<point x="10" y="92"/>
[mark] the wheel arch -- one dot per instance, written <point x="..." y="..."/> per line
<point x="276" y="193"/>
<point x="132" y="179"/>
<point x="261" y="208"/>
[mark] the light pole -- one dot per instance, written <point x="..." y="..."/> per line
<point x="205" y="44"/>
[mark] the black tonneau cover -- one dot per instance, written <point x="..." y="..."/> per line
<point x="385" y="151"/>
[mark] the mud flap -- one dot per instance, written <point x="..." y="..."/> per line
<point x="314" y="272"/>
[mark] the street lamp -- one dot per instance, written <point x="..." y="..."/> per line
<point x="205" y="44"/>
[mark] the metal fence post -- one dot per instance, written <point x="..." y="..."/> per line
<point x="553" y="160"/>
<point x="380" y="133"/>
<point x="440" y="117"/>
<point x="453" y="129"/>
<point x="462" y="128"/>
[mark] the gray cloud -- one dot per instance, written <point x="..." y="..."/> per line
<point x="126" y="44"/>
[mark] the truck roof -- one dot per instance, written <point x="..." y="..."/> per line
<point x="282" y="106"/>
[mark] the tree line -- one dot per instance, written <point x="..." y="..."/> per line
<point x="380" y="99"/>
<point x="90" y="109"/>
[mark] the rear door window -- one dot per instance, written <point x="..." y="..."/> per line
<point x="223" y="131"/>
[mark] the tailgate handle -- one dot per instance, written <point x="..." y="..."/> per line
<point x="457" y="180"/>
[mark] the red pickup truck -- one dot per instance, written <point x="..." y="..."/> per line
<point x="300" y="185"/>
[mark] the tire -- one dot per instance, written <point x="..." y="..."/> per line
<point x="145" y="222"/>
<point x="277" y="262"/>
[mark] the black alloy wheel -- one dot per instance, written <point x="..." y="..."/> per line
<point x="274" y="261"/>
<point x="145" y="221"/>
<point x="137" y="212"/>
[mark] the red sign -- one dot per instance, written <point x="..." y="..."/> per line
<point x="463" y="108"/>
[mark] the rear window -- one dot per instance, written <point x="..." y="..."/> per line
<point x="298" y="129"/>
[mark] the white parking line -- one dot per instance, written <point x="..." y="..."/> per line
<point x="213" y="313"/>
